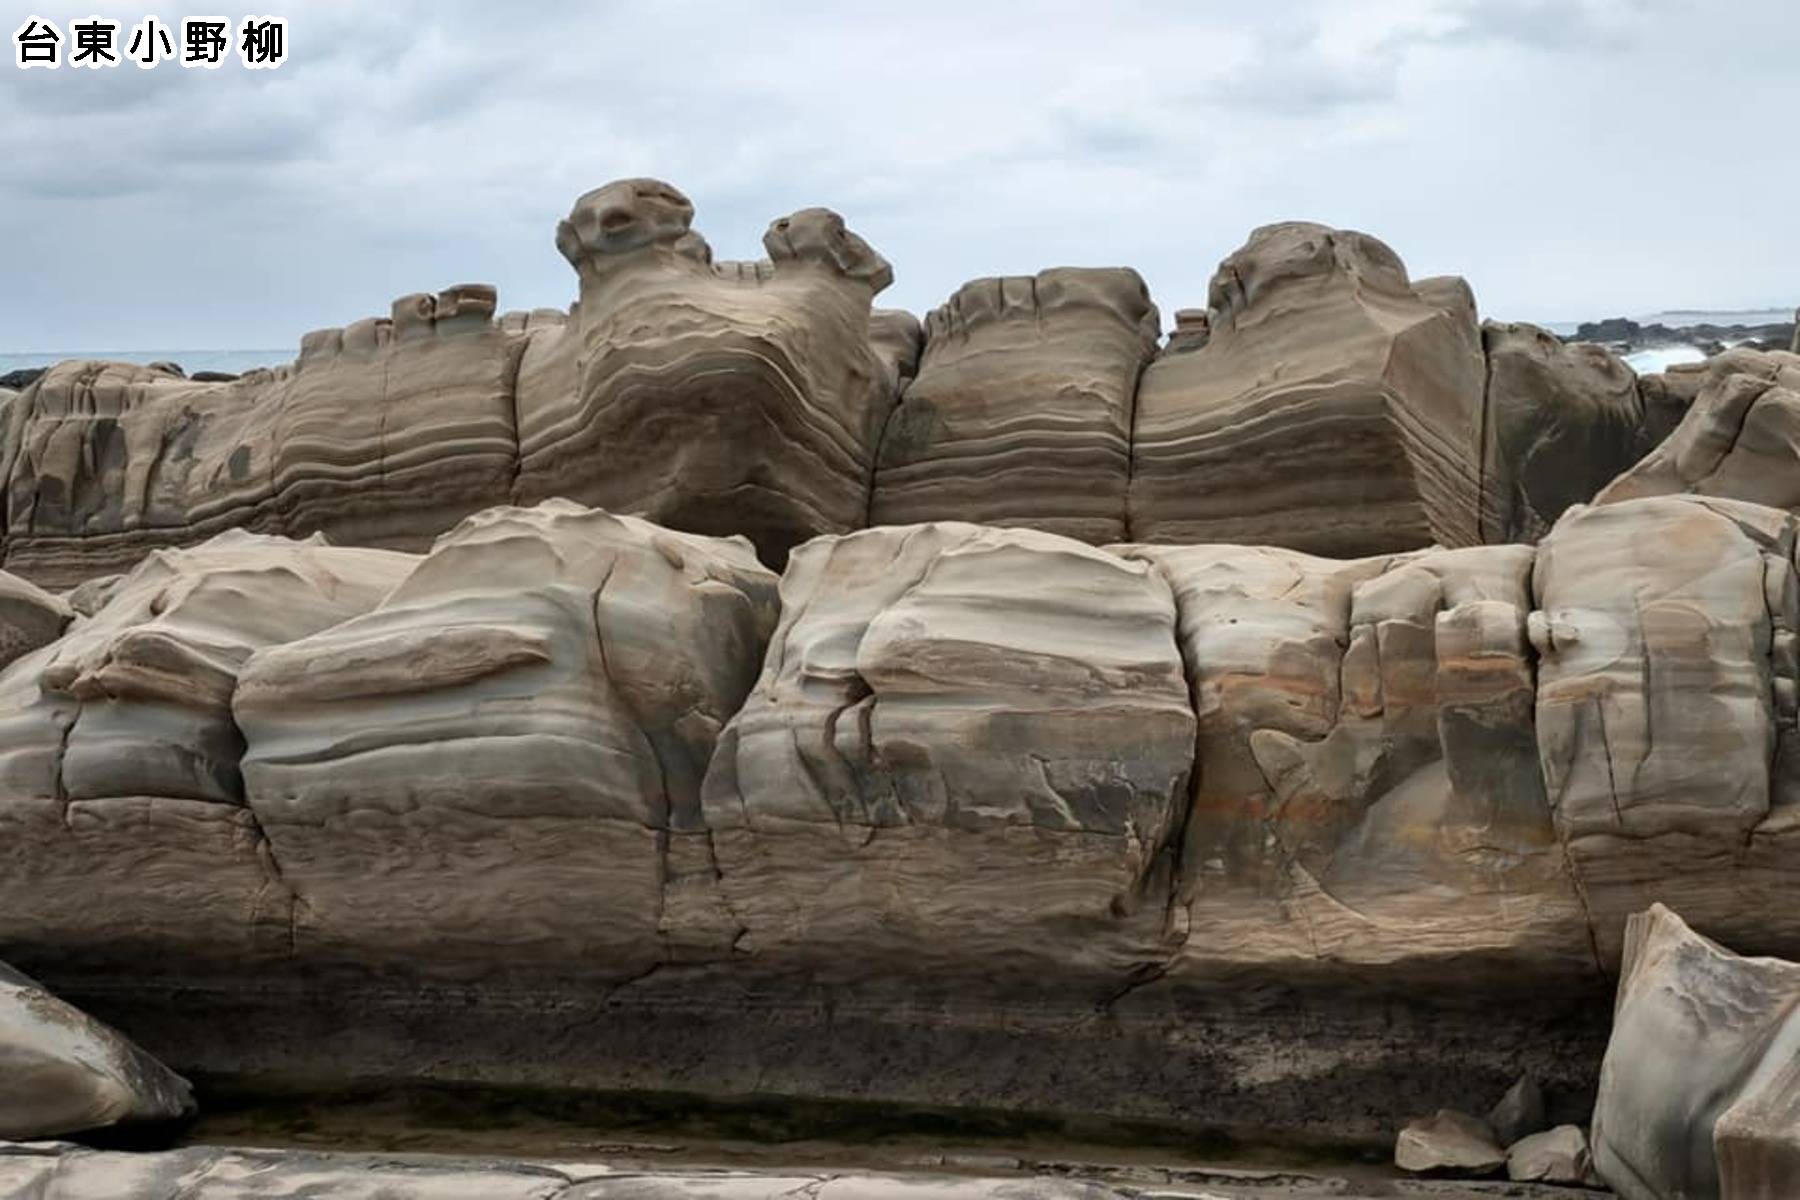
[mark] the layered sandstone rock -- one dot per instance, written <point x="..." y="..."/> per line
<point x="1335" y="407"/>
<point x="968" y="751"/>
<point x="1737" y="440"/>
<point x="384" y="434"/>
<point x="499" y="766"/>
<point x="1021" y="411"/>
<point x="732" y="397"/>
<point x="1700" y="1090"/>
<point x="1565" y="419"/>
<point x="61" y="1071"/>
<point x="1367" y="803"/>
<point x="390" y="430"/>
<point x="1666" y="701"/>
<point x="121" y="803"/>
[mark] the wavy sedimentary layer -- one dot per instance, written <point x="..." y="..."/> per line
<point x="714" y="397"/>
<point x="1335" y="406"/>
<point x="1021" y="411"/>
<point x="962" y="815"/>
<point x="1324" y="401"/>
<point x="730" y="397"/>
<point x="381" y="434"/>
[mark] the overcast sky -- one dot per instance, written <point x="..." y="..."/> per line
<point x="1571" y="158"/>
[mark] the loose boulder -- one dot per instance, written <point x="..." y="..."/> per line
<point x="61" y="1071"/>
<point x="1700" y="1089"/>
<point x="1557" y="1155"/>
<point x="1449" y="1143"/>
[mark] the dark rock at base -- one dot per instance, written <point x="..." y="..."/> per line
<point x="214" y="377"/>
<point x="21" y="379"/>
<point x="1519" y="1113"/>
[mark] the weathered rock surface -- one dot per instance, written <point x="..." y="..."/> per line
<point x="1666" y="642"/>
<point x="1335" y="408"/>
<point x="731" y="397"/>
<point x="1565" y="420"/>
<point x="1021" y="412"/>
<point x="121" y="821"/>
<point x="1700" y="1090"/>
<point x="1739" y="439"/>
<point x="61" y="1071"/>
<point x="1557" y="1155"/>
<point x="1448" y="1142"/>
<point x="499" y="765"/>
<point x="969" y="750"/>
<point x="1366" y="750"/>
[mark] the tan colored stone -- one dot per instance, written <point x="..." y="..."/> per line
<point x="1335" y="408"/>
<point x="485" y="773"/>
<point x="732" y="397"/>
<point x="1450" y="1143"/>
<point x="1700" y="1090"/>
<point x="1021" y="411"/>
<point x="65" y="1072"/>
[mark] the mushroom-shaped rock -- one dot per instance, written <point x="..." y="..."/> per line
<point x="716" y="398"/>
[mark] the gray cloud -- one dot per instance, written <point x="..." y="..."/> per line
<point x="1575" y="160"/>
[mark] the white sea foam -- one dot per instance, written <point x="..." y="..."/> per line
<point x="1661" y="358"/>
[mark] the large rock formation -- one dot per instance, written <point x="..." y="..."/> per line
<point x="1739" y="439"/>
<point x="731" y="397"/>
<point x="968" y="752"/>
<point x="498" y="767"/>
<point x="1175" y="829"/>
<point x="1668" y="642"/>
<point x="715" y="397"/>
<point x="1335" y="408"/>
<point x="1700" y="1090"/>
<point x="1021" y="413"/>
<point x="1565" y="419"/>
<point x="1366" y="750"/>
<point x="61" y="1071"/>
<point x="122" y="828"/>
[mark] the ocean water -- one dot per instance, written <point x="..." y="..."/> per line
<point x="1661" y="358"/>
<point x="234" y="361"/>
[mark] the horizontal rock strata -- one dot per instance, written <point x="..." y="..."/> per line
<point x="1335" y="407"/>
<point x="1212" y="821"/>
<point x="730" y="397"/>
<point x="1021" y="413"/>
